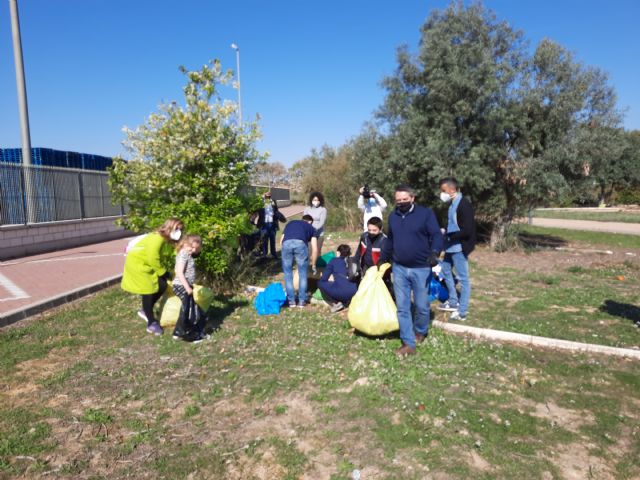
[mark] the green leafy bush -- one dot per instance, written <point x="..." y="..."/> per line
<point x="191" y="161"/>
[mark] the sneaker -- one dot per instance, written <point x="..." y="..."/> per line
<point x="203" y="336"/>
<point x="178" y="335"/>
<point x="336" y="307"/>
<point x="447" y="307"/>
<point x="456" y="316"/>
<point x="301" y="305"/>
<point x="292" y="304"/>
<point x="155" y="328"/>
<point x="142" y="315"/>
<point x="190" y="337"/>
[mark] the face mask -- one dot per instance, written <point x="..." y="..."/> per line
<point x="445" y="197"/>
<point x="374" y="237"/>
<point x="403" y="207"/>
<point x="315" y="203"/>
<point x="175" y="235"/>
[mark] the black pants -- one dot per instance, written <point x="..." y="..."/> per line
<point x="192" y="319"/>
<point x="148" y="301"/>
<point x="268" y="238"/>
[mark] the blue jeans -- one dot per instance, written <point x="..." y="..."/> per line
<point x="457" y="260"/>
<point x="405" y="281"/>
<point x="299" y="251"/>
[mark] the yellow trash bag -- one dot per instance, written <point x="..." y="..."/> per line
<point x="203" y="297"/>
<point x="372" y="310"/>
<point x="170" y="307"/>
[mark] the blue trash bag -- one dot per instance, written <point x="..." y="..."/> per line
<point x="437" y="290"/>
<point x="269" y="301"/>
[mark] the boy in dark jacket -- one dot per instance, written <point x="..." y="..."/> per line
<point x="371" y="244"/>
<point x="460" y="240"/>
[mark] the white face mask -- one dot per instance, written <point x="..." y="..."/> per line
<point x="315" y="203"/>
<point x="175" y="235"/>
<point x="445" y="197"/>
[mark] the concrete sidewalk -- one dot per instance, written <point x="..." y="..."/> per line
<point x="588" y="225"/>
<point x="33" y="284"/>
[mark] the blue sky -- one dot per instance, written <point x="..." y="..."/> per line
<point x="311" y="69"/>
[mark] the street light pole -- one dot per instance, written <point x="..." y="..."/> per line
<point x="237" y="49"/>
<point x="30" y="212"/>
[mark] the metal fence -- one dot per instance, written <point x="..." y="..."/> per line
<point x="35" y="194"/>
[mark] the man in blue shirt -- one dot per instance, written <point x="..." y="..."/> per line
<point x="459" y="243"/>
<point x="414" y="244"/>
<point x="295" y="246"/>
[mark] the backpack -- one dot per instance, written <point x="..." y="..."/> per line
<point x="354" y="272"/>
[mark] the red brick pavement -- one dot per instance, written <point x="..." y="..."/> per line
<point x="53" y="278"/>
<point x="30" y="280"/>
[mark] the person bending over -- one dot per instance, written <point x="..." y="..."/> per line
<point x="340" y="291"/>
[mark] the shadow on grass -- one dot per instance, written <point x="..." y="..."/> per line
<point x="533" y="240"/>
<point x="622" y="310"/>
<point x="218" y="314"/>
<point x="269" y="266"/>
<point x="387" y="336"/>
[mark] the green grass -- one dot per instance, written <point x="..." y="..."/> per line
<point x="625" y="217"/>
<point x="300" y="394"/>
<point x="560" y="236"/>
<point x="592" y="304"/>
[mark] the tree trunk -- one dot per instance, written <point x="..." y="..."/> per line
<point x="498" y="240"/>
<point x="601" y="202"/>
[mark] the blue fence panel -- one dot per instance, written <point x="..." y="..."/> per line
<point x="58" y="158"/>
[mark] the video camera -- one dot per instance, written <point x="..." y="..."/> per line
<point x="366" y="193"/>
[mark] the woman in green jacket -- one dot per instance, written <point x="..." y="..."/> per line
<point x="143" y="271"/>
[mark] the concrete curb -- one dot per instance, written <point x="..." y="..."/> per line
<point x="21" y="313"/>
<point x="532" y="340"/>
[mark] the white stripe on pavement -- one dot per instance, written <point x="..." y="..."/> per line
<point x="62" y="259"/>
<point x="12" y="288"/>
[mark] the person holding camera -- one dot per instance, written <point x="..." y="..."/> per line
<point x="371" y="204"/>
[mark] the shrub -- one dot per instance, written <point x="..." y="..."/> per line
<point x="191" y="161"/>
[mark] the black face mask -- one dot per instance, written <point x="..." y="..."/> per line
<point x="374" y="237"/>
<point x="403" y="207"/>
<point x="195" y="255"/>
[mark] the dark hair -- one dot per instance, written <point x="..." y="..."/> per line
<point x="344" y="250"/>
<point x="376" y="221"/>
<point x="451" y="181"/>
<point x="320" y="197"/>
<point x="307" y="218"/>
<point x="406" y="188"/>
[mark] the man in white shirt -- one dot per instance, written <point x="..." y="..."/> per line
<point x="371" y="204"/>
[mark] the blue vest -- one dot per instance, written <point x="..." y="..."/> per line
<point x="452" y="225"/>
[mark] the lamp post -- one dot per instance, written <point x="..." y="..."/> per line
<point x="237" y="49"/>
<point x="29" y="194"/>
